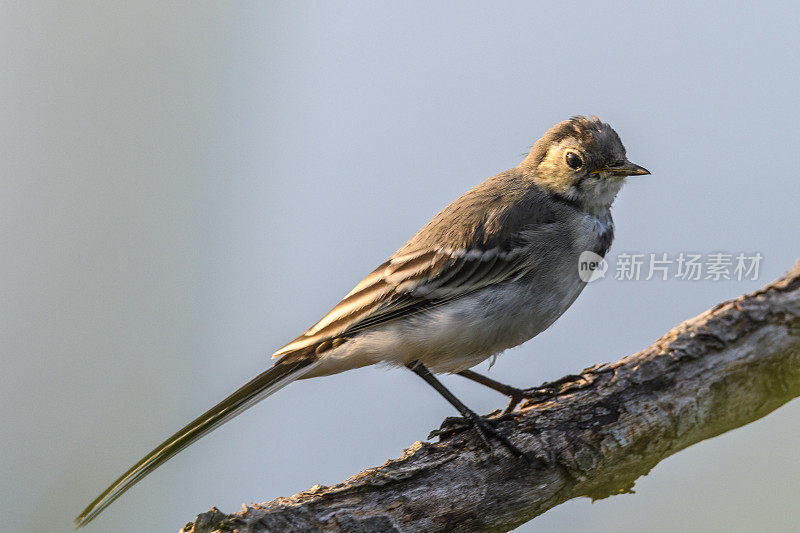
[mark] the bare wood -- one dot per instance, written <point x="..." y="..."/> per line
<point x="593" y="433"/>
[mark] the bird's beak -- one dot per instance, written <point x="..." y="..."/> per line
<point x="625" y="169"/>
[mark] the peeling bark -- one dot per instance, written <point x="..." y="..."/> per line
<point x="592" y="434"/>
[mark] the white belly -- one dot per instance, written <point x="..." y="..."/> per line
<point x="460" y="334"/>
<point x="457" y="335"/>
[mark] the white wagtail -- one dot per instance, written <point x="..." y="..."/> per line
<point x="490" y="271"/>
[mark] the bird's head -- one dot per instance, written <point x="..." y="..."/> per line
<point x="582" y="160"/>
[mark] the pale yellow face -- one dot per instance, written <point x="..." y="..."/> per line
<point x="582" y="160"/>
<point x="570" y="171"/>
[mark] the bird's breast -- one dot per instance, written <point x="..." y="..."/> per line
<point x="462" y="333"/>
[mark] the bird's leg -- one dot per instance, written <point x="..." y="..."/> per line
<point x="514" y="393"/>
<point x="485" y="430"/>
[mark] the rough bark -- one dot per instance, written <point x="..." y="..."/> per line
<point x="592" y="434"/>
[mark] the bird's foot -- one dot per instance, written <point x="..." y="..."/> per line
<point x="516" y="395"/>
<point x="485" y="429"/>
<point x="549" y="390"/>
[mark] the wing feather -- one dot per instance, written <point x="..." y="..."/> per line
<point x="408" y="285"/>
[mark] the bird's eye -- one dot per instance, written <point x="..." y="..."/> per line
<point x="573" y="160"/>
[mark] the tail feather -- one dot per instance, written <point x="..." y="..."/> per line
<point x="278" y="376"/>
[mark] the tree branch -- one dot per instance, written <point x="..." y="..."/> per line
<point x="593" y="433"/>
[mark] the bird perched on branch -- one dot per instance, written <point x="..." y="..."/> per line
<point x="492" y="270"/>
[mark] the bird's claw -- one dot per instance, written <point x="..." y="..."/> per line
<point x="485" y="429"/>
<point x="517" y="395"/>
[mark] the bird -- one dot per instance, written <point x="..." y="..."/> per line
<point x="490" y="271"/>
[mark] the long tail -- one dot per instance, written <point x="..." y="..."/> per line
<point x="282" y="373"/>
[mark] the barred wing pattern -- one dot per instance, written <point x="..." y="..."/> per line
<point x="409" y="284"/>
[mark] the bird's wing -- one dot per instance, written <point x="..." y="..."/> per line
<point x="411" y="283"/>
<point x="487" y="236"/>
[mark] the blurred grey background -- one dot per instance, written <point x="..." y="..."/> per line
<point x="187" y="186"/>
